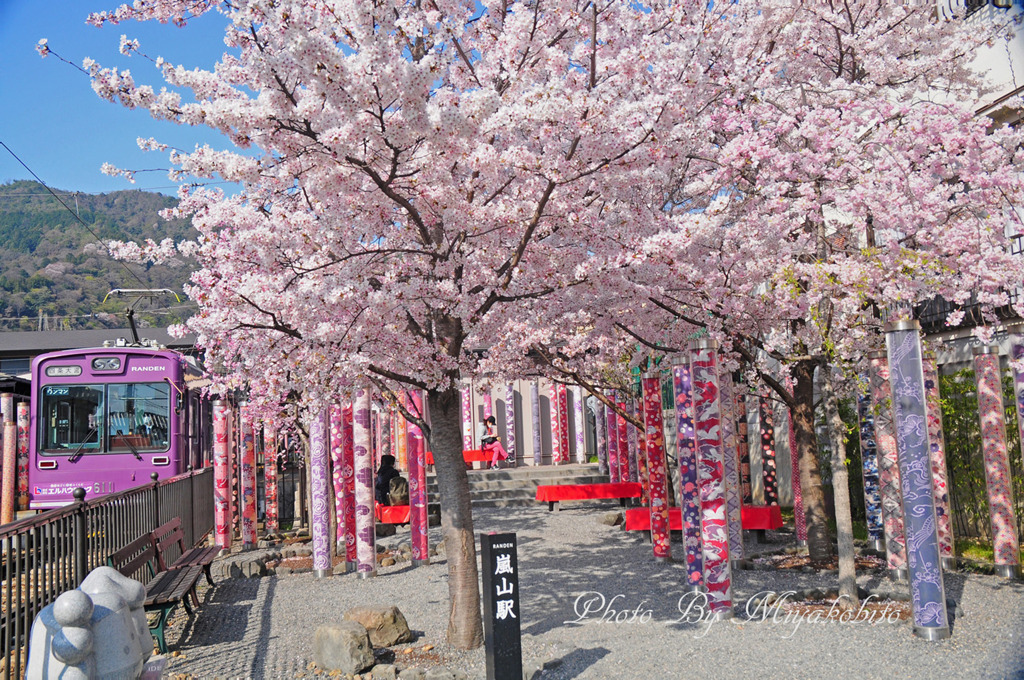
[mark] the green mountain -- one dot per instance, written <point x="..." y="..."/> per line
<point x="55" y="272"/>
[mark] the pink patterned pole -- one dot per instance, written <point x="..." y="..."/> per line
<point x="766" y="423"/>
<point x="563" y="422"/>
<point x="633" y="445"/>
<point x="641" y="455"/>
<point x="10" y="472"/>
<point x="247" y="480"/>
<point x="654" y="437"/>
<point x="271" y="524"/>
<point x="366" y="538"/>
<point x="888" y="466"/>
<point x="556" y="438"/>
<point x="600" y="423"/>
<point x="402" y="459"/>
<point x="743" y="447"/>
<point x="730" y="468"/>
<point x="988" y="375"/>
<point x="467" y="420"/>
<point x="579" y="424"/>
<point x="221" y="477"/>
<point x="1017" y="354"/>
<point x="538" y="451"/>
<point x="937" y="459"/>
<point x="488" y="404"/>
<point x="689" y="489"/>
<point x="418" y="487"/>
<point x="319" y="521"/>
<point x="799" y="516"/>
<point x="348" y="498"/>
<point x="622" y="431"/>
<point x="338" y="472"/>
<point x="710" y="467"/>
<point x="23" y="416"/>
<point x="510" y="424"/>
<point x="613" y="443"/>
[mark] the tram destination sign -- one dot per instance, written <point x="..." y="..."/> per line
<point x="502" y="634"/>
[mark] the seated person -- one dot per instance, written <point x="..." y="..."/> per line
<point x="399" y="493"/>
<point x="489" y="441"/>
<point x="385" y="474"/>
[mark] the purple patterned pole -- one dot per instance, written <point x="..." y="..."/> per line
<point x="710" y="454"/>
<point x="631" y="446"/>
<point x="731" y="473"/>
<point x="743" y="447"/>
<point x="348" y="477"/>
<point x="510" y="424"/>
<point x="613" y="443"/>
<point x="366" y="548"/>
<point x="579" y="423"/>
<point x="320" y="525"/>
<point x="689" y="489"/>
<point x="937" y="456"/>
<point x="654" y="438"/>
<point x="910" y="418"/>
<point x="600" y="428"/>
<point x="338" y="473"/>
<point x="538" y="451"/>
<point x="766" y="421"/>
<point x="221" y="476"/>
<point x="1017" y="354"/>
<point x="988" y="375"/>
<point x="247" y="480"/>
<point x="888" y="466"/>
<point x="467" y="420"/>
<point x="418" y="486"/>
<point x="556" y="437"/>
<point x="270" y="525"/>
<point x="869" y="466"/>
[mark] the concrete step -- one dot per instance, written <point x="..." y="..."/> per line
<point x="512" y="487"/>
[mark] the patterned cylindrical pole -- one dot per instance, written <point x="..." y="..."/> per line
<point x="641" y="454"/>
<point x="622" y="430"/>
<point x="337" y="473"/>
<point x="7" y="407"/>
<point x="601" y="430"/>
<point x="348" y="476"/>
<point x="270" y="524"/>
<point x="556" y="437"/>
<point x="654" y="437"/>
<point x="927" y="593"/>
<point x="714" y="518"/>
<point x="888" y="466"/>
<point x="510" y="424"/>
<point x="799" y="517"/>
<point x="488" y="405"/>
<point x="1017" y="354"/>
<point x="869" y="466"/>
<point x="937" y="459"/>
<point x="221" y="476"/>
<point x="563" y="422"/>
<point x="743" y="446"/>
<point x="467" y="420"/>
<point x="729" y="468"/>
<point x="614" y="468"/>
<point x="579" y="423"/>
<point x="247" y="480"/>
<point x="633" y="447"/>
<point x="10" y="472"/>
<point x="319" y="520"/>
<point x="766" y="420"/>
<point x="538" y="451"/>
<point x="366" y="538"/>
<point x="988" y="375"/>
<point x="402" y="459"/>
<point x="418" y="487"/>
<point x="387" y="430"/>
<point x="23" y="416"/>
<point x="689" y="488"/>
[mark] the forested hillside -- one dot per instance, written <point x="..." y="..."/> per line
<point x="54" y="273"/>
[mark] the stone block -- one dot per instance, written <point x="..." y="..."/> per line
<point x="439" y="674"/>
<point x="384" y="671"/>
<point x="386" y="626"/>
<point x="342" y="647"/>
<point x="411" y="674"/>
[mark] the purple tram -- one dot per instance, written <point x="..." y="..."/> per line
<point x="105" y="419"/>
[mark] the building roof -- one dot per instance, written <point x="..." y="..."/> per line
<point x="32" y="343"/>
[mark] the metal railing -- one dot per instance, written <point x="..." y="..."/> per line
<point x="42" y="556"/>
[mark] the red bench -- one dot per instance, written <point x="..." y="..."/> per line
<point x="392" y="514"/>
<point x="471" y="456"/>
<point x="553" y="493"/>
<point x="755" y="517"/>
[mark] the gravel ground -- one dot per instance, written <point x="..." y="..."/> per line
<point x="264" y="627"/>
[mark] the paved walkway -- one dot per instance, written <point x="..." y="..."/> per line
<point x="258" y="628"/>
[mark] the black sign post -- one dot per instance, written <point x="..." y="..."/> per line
<point x="502" y="637"/>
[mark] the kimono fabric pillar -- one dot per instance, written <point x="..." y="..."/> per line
<point x="10" y="472"/>
<point x="538" y="452"/>
<point x="997" y="461"/>
<point x="622" y="432"/>
<point x="417" y="486"/>
<point x="799" y="518"/>
<point x="348" y="498"/>
<point x="601" y="435"/>
<point x="641" y="452"/>
<point x="729" y="465"/>
<point x="467" y="420"/>
<point x="766" y="420"/>
<point x="563" y="423"/>
<point x="270" y="525"/>
<point x="221" y="476"/>
<point x="906" y="376"/>
<point x="319" y="521"/>
<point x="556" y="437"/>
<point x="1017" y="354"/>
<point x="338" y="473"/>
<point x="510" y="424"/>
<point x="402" y="460"/>
<point x="579" y="424"/>
<point x="689" y="491"/>
<point x="714" y="518"/>
<point x="888" y="466"/>
<point x="635" y="447"/>
<point x="366" y="550"/>
<point x="869" y="468"/>
<point x="247" y="479"/>
<point x="743" y="446"/>
<point x="488" y="404"/>
<point x="613" y="442"/>
<point x="23" y="419"/>
<point x="655" y="439"/>
<point x="386" y="430"/>
<point x="937" y="459"/>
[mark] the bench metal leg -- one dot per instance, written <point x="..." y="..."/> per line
<point x="551" y="505"/>
<point x="209" y="577"/>
<point x="158" y="631"/>
<point x="761" y="536"/>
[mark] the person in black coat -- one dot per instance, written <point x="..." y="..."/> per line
<point x="385" y="474"/>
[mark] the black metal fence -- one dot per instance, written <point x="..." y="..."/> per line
<point x="42" y="556"/>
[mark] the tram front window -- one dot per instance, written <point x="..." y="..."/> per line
<point x="72" y="418"/>
<point x="138" y="417"/>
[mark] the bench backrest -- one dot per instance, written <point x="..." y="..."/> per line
<point x="165" y="537"/>
<point x="139" y="554"/>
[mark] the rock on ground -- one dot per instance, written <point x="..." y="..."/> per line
<point x="342" y="647"/>
<point x="385" y="625"/>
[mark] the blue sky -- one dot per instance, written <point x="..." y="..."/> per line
<point x="52" y="119"/>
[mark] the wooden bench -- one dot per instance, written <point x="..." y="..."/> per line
<point x="166" y="588"/>
<point x="757" y="518"/>
<point x="554" y="493"/>
<point x="170" y="533"/>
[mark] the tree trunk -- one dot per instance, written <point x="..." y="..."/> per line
<point x="465" y="626"/>
<point x="841" y="492"/>
<point x="819" y="544"/>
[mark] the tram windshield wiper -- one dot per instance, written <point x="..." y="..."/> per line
<point x="74" y="457"/>
<point x="135" y="451"/>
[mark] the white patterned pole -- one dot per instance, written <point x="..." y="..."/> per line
<point x="366" y="540"/>
<point x="601" y="429"/>
<point x="731" y="468"/>
<point x="538" y="453"/>
<point x="221" y="476"/>
<point x="467" y="420"/>
<point x="510" y="424"/>
<point x="320" y="525"/>
<point x="580" y="423"/>
<point x="247" y="479"/>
